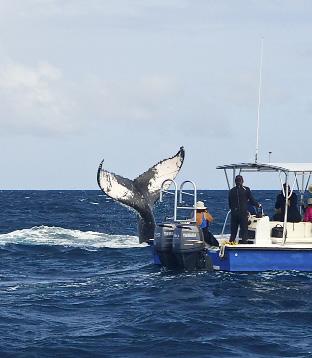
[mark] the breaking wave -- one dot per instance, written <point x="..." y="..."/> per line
<point x="58" y="236"/>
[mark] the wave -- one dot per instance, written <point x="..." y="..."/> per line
<point x="58" y="236"/>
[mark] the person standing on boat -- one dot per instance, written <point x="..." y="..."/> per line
<point x="203" y="219"/>
<point x="308" y="212"/>
<point x="293" y="214"/>
<point x="239" y="198"/>
<point x="305" y="206"/>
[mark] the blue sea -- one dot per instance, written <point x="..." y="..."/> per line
<point x="75" y="282"/>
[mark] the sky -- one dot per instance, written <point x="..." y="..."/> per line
<point x="131" y="81"/>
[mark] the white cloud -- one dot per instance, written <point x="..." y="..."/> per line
<point x="144" y="72"/>
<point x="33" y="100"/>
<point x="40" y="100"/>
<point x="141" y="99"/>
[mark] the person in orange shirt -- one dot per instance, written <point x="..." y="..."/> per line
<point x="203" y="219"/>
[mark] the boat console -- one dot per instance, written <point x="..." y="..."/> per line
<point x="259" y="228"/>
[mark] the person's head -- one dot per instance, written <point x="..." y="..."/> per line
<point x="239" y="180"/>
<point x="310" y="201"/>
<point x="284" y="187"/>
<point x="200" y="206"/>
<point x="310" y="188"/>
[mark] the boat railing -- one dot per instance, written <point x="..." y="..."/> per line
<point x="192" y="194"/>
<point x="178" y="194"/>
<point x="225" y="222"/>
<point x="167" y="191"/>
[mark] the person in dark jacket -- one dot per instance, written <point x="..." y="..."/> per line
<point x="240" y="198"/>
<point x="293" y="214"/>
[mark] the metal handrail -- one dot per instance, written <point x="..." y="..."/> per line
<point x="179" y="192"/>
<point x="225" y="221"/>
<point x="162" y="190"/>
<point x="194" y="195"/>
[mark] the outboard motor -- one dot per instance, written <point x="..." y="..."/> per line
<point x="163" y="244"/>
<point x="188" y="246"/>
<point x="181" y="244"/>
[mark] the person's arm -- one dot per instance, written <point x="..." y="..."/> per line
<point x="278" y="204"/>
<point x="230" y="199"/>
<point x="251" y="199"/>
<point x="208" y="216"/>
<point x="293" y="199"/>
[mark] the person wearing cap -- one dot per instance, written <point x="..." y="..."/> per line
<point x="203" y="219"/>
<point x="239" y="198"/>
<point x="308" y="211"/>
<point x="293" y="214"/>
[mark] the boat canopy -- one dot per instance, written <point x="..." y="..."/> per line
<point x="298" y="168"/>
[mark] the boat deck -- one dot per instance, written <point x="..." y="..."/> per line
<point x="298" y="235"/>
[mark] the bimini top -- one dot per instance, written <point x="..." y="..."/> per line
<point x="270" y="167"/>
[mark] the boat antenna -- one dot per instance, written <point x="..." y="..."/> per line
<point x="259" y="101"/>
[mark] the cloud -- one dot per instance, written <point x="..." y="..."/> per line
<point x="133" y="99"/>
<point x="32" y="99"/>
<point x="104" y="76"/>
<point x="81" y="7"/>
<point x="157" y="101"/>
<point x="40" y="100"/>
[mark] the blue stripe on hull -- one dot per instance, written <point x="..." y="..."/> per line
<point x="244" y="259"/>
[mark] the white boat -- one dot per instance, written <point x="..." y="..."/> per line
<point x="265" y="251"/>
<point x="291" y="251"/>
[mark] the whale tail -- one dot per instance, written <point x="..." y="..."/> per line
<point x="141" y="193"/>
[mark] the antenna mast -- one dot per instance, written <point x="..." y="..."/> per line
<point x="259" y="101"/>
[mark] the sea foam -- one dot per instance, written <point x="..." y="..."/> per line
<point x="58" y="236"/>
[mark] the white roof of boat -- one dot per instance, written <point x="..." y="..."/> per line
<point x="270" y="167"/>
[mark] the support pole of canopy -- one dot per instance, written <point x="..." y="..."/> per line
<point x="227" y="179"/>
<point x="308" y="181"/>
<point x="301" y="195"/>
<point x="297" y="182"/>
<point x="234" y="175"/>
<point x="293" y="185"/>
<point x="280" y="176"/>
<point x="286" y="211"/>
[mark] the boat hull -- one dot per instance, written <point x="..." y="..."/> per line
<point x="256" y="259"/>
<point x="247" y="259"/>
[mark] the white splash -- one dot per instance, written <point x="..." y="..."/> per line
<point x="57" y="236"/>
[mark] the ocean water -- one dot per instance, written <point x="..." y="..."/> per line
<point x="75" y="282"/>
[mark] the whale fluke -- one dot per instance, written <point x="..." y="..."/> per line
<point x="142" y="192"/>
